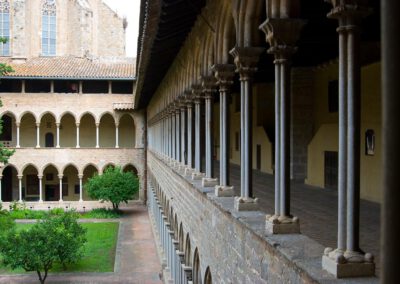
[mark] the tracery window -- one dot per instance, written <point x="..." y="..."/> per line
<point x="5" y="27"/>
<point x="49" y="28"/>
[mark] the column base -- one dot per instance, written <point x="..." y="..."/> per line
<point x="282" y="225"/>
<point x="209" y="182"/>
<point x="224" y="191"/>
<point x="40" y="201"/>
<point x="188" y="171"/>
<point x="60" y="200"/>
<point x="197" y="176"/>
<point x="348" y="264"/>
<point x="246" y="204"/>
<point x="80" y="200"/>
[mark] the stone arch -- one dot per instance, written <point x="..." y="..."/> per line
<point x="60" y="117"/>
<point x="48" y="129"/>
<point x="87" y="125"/>
<point x="88" y="171"/>
<point x="27" y="165"/>
<point x="8" y="133"/>
<point x="30" y="182"/>
<point x="207" y="276"/>
<point x="9" y="183"/>
<point x="88" y="165"/>
<point x="107" y="125"/>
<point x="49" y="165"/>
<point x="127" y="131"/>
<point x="27" y="112"/>
<point x="40" y="117"/>
<point x="71" y="182"/>
<point x="196" y="268"/>
<point x="27" y="122"/>
<point x="188" y="258"/>
<point x="181" y="238"/>
<point x="130" y="168"/>
<point x="9" y="113"/>
<point x="110" y="164"/>
<point x="67" y="122"/>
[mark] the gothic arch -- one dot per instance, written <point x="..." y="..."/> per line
<point x="207" y="276"/>
<point x="196" y="268"/>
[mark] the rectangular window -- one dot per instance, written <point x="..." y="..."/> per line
<point x="49" y="35"/>
<point x="5" y="33"/>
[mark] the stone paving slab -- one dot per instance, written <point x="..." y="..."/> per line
<point x="136" y="259"/>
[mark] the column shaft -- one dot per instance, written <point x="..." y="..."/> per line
<point x="20" y="188"/>
<point x="285" y="139"/>
<point x="197" y="151"/>
<point x="277" y="138"/>
<point x="209" y="136"/>
<point x="1" y="190"/>
<point x="224" y="138"/>
<point x="58" y="135"/>
<point x="247" y="133"/>
<point x="60" y="187"/>
<point x="353" y="146"/>
<point x="38" y="135"/>
<point x="342" y="163"/>
<point x="183" y="127"/>
<point x="116" y="136"/>
<point x="18" y="143"/>
<point x="77" y="136"/>
<point x="190" y="135"/>
<point x="241" y="145"/>
<point x="177" y="136"/>
<point x="173" y="131"/>
<point x="97" y="135"/>
<point x="80" y="189"/>
<point x="40" y="189"/>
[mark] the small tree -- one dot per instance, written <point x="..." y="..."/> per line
<point x="47" y="242"/>
<point x="114" y="186"/>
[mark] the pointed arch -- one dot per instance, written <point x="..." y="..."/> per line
<point x="42" y="170"/>
<point x="60" y="117"/>
<point x="207" y="276"/>
<point x="29" y="165"/>
<point x="196" y="268"/>
<point x="188" y="258"/>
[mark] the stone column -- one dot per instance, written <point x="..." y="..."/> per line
<point x="391" y="135"/>
<point x="196" y="92"/>
<point x="209" y="87"/>
<point x="347" y="260"/>
<point x="224" y="74"/>
<point x="282" y="34"/>
<point x="189" y="105"/>
<point x="173" y="131"/>
<point x="77" y="136"/>
<point x="38" y="135"/>
<point x="18" y="136"/>
<point x="246" y="59"/>
<point x="116" y="136"/>
<point x="40" y="177"/>
<point x="20" y="187"/>
<point x="97" y="135"/>
<point x="80" y="176"/>
<point x="58" y="135"/>
<point x="177" y="134"/>
<point x="1" y="200"/>
<point x="60" y="177"/>
<point x="183" y="128"/>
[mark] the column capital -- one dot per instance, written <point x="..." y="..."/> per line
<point x="80" y="176"/>
<point x="20" y="177"/>
<point x="349" y="12"/>
<point x="40" y="176"/>
<point x="282" y="35"/>
<point x="97" y="124"/>
<point x="58" y="124"/>
<point x="224" y="73"/>
<point x="37" y="124"/>
<point x="209" y="84"/>
<point x="77" y="124"/>
<point x="60" y="176"/>
<point x="197" y="91"/>
<point x="116" y="125"/>
<point x="18" y="123"/>
<point x="246" y="60"/>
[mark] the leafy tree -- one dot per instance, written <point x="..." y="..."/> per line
<point x="38" y="248"/>
<point x="114" y="186"/>
<point x="71" y="237"/>
<point x="6" y="223"/>
<point x="5" y="153"/>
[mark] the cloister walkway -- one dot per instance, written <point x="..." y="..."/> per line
<point x="316" y="209"/>
<point x="136" y="259"/>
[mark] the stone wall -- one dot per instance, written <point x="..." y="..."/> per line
<point x="233" y="244"/>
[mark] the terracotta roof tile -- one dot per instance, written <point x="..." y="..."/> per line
<point x="72" y="68"/>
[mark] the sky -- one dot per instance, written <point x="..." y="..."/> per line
<point x="131" y="10"/>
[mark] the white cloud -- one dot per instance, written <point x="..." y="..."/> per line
<point x="131" y="10"/>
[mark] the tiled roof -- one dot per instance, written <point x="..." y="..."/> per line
<point x="69" y="67"/>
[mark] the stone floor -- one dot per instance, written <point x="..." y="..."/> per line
<point x="316" y="209"/>
<point x="136" y="259"/>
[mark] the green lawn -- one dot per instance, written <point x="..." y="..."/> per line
<point x="99" y="250"/>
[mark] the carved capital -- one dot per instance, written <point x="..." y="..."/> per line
<point x="209" y="84"/>
<point x="246" y="60"/>
<point x="224" y="73"/>
<point x="282" y="35"/>
<point x="197" y="91"/>
<point x="349" y="12"/>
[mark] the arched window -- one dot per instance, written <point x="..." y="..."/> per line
<point x="5" y="27"/>
<point x="49" y="28"/>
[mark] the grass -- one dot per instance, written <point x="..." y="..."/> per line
<point x="99" y="250"/>
<point x="99" y="213"/>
